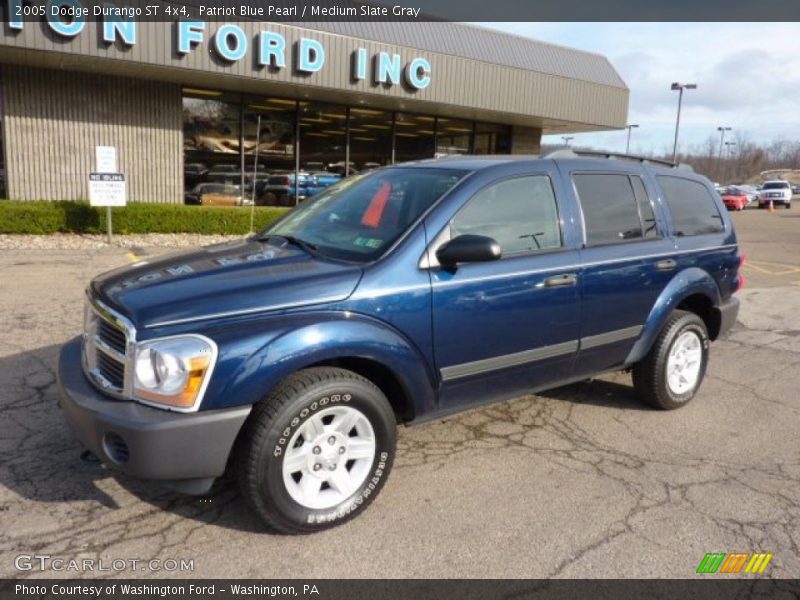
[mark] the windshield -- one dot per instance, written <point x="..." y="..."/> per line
<point x="360" y="217"/>
<point x="776" y="185"/>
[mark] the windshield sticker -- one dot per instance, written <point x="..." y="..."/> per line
<point x="368" y="242"/>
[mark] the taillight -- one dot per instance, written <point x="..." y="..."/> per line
<point x="739" y="277"/>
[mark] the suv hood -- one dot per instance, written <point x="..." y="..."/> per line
<point x="245" y="275"/>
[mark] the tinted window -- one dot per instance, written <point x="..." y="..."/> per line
<point x="646" y="214"/>
<point x="776" y="185"/>
<point x="693" y="209"/>
<point x="610" y="209"/>
<point x="519" y="213"/>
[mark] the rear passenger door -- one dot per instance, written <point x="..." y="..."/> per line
<point x="626" y="263"/>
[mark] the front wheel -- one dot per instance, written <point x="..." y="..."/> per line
<point x="671" y="373"/>
<point x="317" y="451"/>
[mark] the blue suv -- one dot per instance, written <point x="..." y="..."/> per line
<point x="397" y="296"/>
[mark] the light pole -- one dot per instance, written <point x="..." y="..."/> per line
<point x="722" y="131"/>
<point x="729" y="151"/>
<point x="628" y="143"/>
<point x="567" y="139"/>
<point x="679" y="87"/>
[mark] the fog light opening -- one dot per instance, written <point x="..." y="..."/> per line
<point x="116" y="448"/>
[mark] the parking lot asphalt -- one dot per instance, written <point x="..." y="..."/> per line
<point x="581" y="481"/>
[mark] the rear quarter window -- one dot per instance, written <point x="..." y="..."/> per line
<point x="693" y="209"/>
<point x="615" y="208"/>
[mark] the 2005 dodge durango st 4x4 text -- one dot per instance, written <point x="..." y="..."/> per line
<point x="397" y="296"/>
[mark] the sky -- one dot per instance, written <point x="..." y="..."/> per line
<point x="748" y="78"/>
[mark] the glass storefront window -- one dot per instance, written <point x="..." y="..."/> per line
<point x="222" y="134"/>
<point x="271" y="137"/>
<point x="491" y="138"/>
<point x="323" y="137"/>
<point x="453" y="136"/>
<point x="211" y="137"/>
<point x="370" y="138"/>
<point x="414" y="137"/>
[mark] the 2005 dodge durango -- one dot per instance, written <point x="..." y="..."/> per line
<point x="397" y="296"/>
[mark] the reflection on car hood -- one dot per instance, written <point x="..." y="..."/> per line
<point x="243" y="276"/>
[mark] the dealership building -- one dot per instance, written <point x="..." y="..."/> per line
<point x="180" y="100"/>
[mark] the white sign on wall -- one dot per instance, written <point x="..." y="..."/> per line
<point x="105" y="159"/>
<point x="107" y="189"/>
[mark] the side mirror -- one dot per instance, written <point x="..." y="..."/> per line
<point x="468" y="248"/>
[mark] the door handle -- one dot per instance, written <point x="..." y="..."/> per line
<point x="566" y="279"/>
<point x="666" y="265"/>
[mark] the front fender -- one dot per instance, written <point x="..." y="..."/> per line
<point x="686" y="283"/>
<point x="337" y="336"/>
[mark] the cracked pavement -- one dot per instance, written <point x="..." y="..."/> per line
<point x="582" y="481"/>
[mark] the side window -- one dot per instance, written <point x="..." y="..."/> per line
<point x="693" y="208"/>
<point x="646" y="214"/>
<point x="519" y="213"/>
<point x="610" y="208"/>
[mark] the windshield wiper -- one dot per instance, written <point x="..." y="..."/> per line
<point x="309" y="247"/>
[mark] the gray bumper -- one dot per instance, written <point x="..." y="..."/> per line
<point x="728" y="312"/>
<point x="187" y="450"/>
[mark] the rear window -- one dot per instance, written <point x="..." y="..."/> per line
<point x="693" y="209"/>
<point x="615" y="208"/>
<point x="776" y="185"/>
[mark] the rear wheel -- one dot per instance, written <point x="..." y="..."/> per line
<point x="317" y="451"/>
<point x="671" y="373"/>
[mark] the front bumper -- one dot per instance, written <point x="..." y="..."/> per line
<point x="186" y="450"/>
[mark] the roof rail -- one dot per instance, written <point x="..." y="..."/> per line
<point x="570" y="153"/>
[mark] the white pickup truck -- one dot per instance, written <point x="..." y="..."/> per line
<point x="776" y="192"/>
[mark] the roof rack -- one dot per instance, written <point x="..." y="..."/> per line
<point x="645" y="160"/>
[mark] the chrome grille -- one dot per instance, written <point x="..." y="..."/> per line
<point x="107" y="343"/>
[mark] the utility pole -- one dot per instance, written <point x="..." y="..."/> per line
<point x="628" y="143"/>
<point x="567" y="139"/>
<point x="679" y="87"/>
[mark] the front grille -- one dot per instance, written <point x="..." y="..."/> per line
<point x="111" y="369"/>
<point x="105" y="348"/>
<point x="111" y="335"/>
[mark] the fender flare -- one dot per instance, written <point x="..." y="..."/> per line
<point x="688" y="282"/>
<point x="347" y="336"/>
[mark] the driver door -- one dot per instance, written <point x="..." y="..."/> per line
<point x="510" y="325"/>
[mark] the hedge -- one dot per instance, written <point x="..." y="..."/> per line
<point x="43" y="217"/>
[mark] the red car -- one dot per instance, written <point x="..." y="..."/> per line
<point x="734" y="199"/>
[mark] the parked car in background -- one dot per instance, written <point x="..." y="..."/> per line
<point x="193" y="173"/>
<point x="217" y="194"/>
<point x="339" y="167"/>
<point x="734" y="198"/>
<point x="399" y="296"/>
<point x="775" y="192"/>
<point x="750" y="190"/>
<point x="279" y="190"/>
<point x="325" y="178"/>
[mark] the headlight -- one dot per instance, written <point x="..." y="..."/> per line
<point x="173" y="371"/>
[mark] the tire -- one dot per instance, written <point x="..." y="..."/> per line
<point x="651" y="376"/>
<point x="310" y="404"/>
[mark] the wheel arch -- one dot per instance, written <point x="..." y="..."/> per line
<point x="692" y="290"/>
<point x="365" y="346"/>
